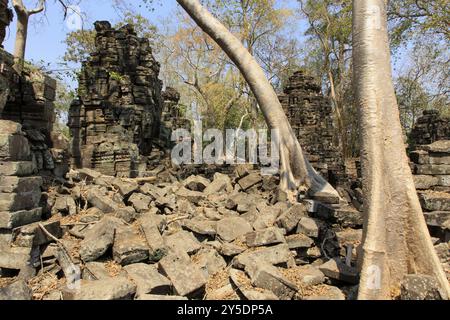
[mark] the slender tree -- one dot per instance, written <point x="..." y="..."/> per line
<point x="23" y="18"/>
<point x="296" y="171"/>
<point x="396" y="240"/>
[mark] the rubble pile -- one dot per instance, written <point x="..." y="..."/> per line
<point x="119" y="108"/>
<point x="310" y="115"/>
<point x="222" y="238"/>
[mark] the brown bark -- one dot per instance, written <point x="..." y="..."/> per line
<point x="396" y="239"/>
<point x="296" y="171"/>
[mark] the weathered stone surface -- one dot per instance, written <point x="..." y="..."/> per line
<point x="99" y="239"/>
<point x="265" y="237"/>
<point x="192" y="196"/>
<point x="299" y="241"/>
<point x="187" y="278"/>
<point x="220" y="183"/>
<point x="337" y="270"/>
<point x="200" y="226"/>
<point x="19" y="185"/>
<point x="444" y="181"/>
<point x="229" y="229"/>
<point x="129" y="247"/>
<point x="209" y="261"/>
<point x="425" y="182"/>
<point x="196" y="183"/>
<point x="125" y="188"/>
<point x="95" y="271"/>
<point x="127" y="214"/>
<point x="441" y="146"/>
<point x="275" y="255"/>
<point x="432" y="169"/>
<point x="11" y="220"/>
<point x="17" y="291"/>
<point x="440" y="219"/>
<point x="119" y="288"/>
<point x="435" y="201"/>
<point x="326" y="293"/>
<point x="14" y="258"/>
<point x="266" y="276"/>
<point x="157" y="247"/>
<point x="231" y="249"/>
<point x="420" y="287"/>
<point x="20" y="201"/>
<point x="20" y="169"/>
<point x="309" y="227"/>
<point x="345" y="216"/>
<point x="100" y="200"/>
<point x="140" y="202"/>
<point x="306" y="276"/>
<point x="290" y="219"/>
<point x="32" y="235"/>
<point x="14" y="148"/>
<point x="148" y="279"/>
<point x="183" y="241"/>
<point x="249" y="181"/>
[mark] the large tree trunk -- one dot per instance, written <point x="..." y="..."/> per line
<point x="296" y="171"/>
<point x="396" y="239"/>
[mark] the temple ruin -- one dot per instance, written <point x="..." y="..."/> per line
<point x="119" y="108"/>
<point x="310" y="115"/>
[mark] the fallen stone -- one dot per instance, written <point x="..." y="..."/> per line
<point x="244" y="284"/>
<point x="220" y="183"/>
<point x="275" y="255"/>
<point x="265" y="237"/>
<point x="209" y="261"/>
<point x="14" y="258"/>
<point x="324" y="292"/>
<point x="31" y="235"/>
<point x="100" y="200"/>
<point x="99" y="239"/>
<point x="129" y="247"/>
<point x="126" y="188"/>
<point x="186" y="277"/>
<point x="231" y="249"/>
<point x="88" y="174"/>
<point x="249" y="181"/>
<point x="119" y="288"/>
<point x="17" y="291"/>
<point x="157" y="247"/>
<point x="299" y="241"/>
<point x="95" y="271"/>
<point x="441" y="146"/>
<point x="192" y="196"/>
<point x="309" y="227"/>
<point x="140" y="202"/>
<point x="196" y="183"/>
<point x="266" y="276"/>
<point x="127" y="214"/>
<point x="229" y="229"/>
<point x="346" y="217"/>
<point x="420" y="287"/>
<point x="290" y="219"/>
<point x="201" y="227"/>
<point x="148" y="279"/>
<point x="335" y="269"/>
<point x="440" y="219"/>
<point x="306" y="276"/>
<point x="183" y="241"/>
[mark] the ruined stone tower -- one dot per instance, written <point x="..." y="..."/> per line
<point x="119" y="108"/>
<point x="310" y="115"/>
<point x="429" y="128"/>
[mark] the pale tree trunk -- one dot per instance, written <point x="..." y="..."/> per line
<point x="296" y="171"/>
<point x="396" y="240"/>
<point x="23" y="17"/>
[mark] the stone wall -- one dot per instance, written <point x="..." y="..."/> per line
<point x="30" y="102"/>
<point x="310" y="115"/>
<point x="119" y="108"/>
<point x="429" y="128"/>
<point x="6" y="16"/>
